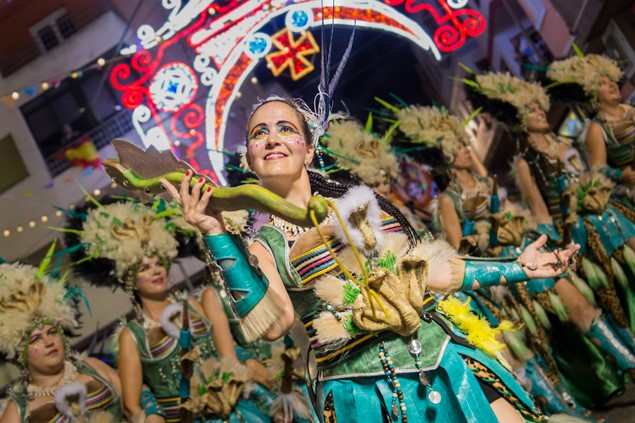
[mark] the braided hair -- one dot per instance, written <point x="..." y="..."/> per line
<point x="329" y="188"/>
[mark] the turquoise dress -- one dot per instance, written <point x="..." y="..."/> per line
<point x="352" y="385"/>
<point x="100" y="397"/>
<point x="160" y="358"/>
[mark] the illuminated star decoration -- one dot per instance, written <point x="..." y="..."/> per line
<point x="292" y="54"/>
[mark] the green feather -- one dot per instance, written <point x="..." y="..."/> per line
<point x="90" y="197"/>
<point x="594" y="275"/>
<point x="516" y="344"/>
<point x="577" y="50"/>
<point x="529" y="321"/>
<point x="629" y="258"/>
<point x="541" y="314"/>
<point x="387" y="105"/>
<point x="44" y="265"/>
<point x="620" y="276"/>
<point x="471" y="83"/>
<point x="472" y="116"/>
<point x="558" y="307"/>
<point x="583" y="287"/>
<point x="351" y="291"/>
<point x="369" y="123"/>
<point x="466" y="68"/>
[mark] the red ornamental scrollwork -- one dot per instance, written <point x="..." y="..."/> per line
<point x="454" y="25"/>
<point x="192" y="117"/>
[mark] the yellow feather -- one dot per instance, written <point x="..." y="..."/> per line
<point x="476" y="328"/>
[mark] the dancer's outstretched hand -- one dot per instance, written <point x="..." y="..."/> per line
<point x="541" y="265"/>
<point x="194" y="204"/>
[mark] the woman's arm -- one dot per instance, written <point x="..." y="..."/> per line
<point x="130" y="374"/>
<point x="450" y="221"/>
<point x="221" y="332"/>
<point x="11" y="413"/>
<point x="595" y="146"/>
<point x="530" y="192"/>
<point x="268" y="268"/>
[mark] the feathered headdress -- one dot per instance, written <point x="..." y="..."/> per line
<point x="581" y="73"/>
<point x="29" y="298"/>
<point x="433" y="127"/>
<point x="505" y="97"/>
<point x="359" y="151"/>
<point x="108" y="240"/>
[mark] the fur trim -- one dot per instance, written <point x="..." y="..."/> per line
<point x="24" y="298"/>
<point x="167" y="320"/>
<point x="70" y="400"/>
<point x="354" y="199"/>
<point x="293" y="405"/>
<point x="435" y="127"/>
<point x="364" y="155"/>
<point x="330" y="331"/>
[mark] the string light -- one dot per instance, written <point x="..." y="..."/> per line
<point x="32" y="224"/>
<point x="97" y="192"/>
<point x="101" y="62"/>
<point x="6" y="233"/>
<point x="15" y="95"/>
<point x="19" y="229"/>
<point x="113" y="185"/>
<point x="254" y="80"/>
<point x="177" y="143"/>
<point x="44" y="219"/>
<point x="45" y="85"/>
<point x="58" y="213"/>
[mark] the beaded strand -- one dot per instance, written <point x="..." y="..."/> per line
<point x="389" y="371"/>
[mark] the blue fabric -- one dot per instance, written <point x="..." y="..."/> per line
<point x="462" y="399"/>
<point x="489" y="273"/>
<point x="613" y="228"/>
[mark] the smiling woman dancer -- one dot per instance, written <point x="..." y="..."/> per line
<point x="361" y="287"/>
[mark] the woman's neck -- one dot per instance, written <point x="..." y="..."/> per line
<point x="47" y="379"/>
<point x="612" y="109"/>
<point x="465" y="178"/>
<point x="297" y="192"/>
<point x="153" y="307"/>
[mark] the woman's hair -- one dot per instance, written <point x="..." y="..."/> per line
<point x="329" y="188"/>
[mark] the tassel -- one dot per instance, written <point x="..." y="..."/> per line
<point x="582" y="286"/>
<point x="331" y="330"/>
<point x="331" y="290"/>
<point x="264" y="314"/>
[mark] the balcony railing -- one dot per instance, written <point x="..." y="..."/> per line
<point x="116" y="126"/>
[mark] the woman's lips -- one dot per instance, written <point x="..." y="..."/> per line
<point x="275" y="156"/>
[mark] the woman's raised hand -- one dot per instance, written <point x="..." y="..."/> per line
<point x="541" y="265"/>
<point x="194" y="204"/>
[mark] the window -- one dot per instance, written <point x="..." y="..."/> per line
<point x="52" y="30"/>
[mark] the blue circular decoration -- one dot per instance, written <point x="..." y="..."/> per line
<point x="299" y="20"/>
<point x="173" y="86"/>
<point x="258" y="45"/>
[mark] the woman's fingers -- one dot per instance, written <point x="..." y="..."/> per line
<point x="196" y="192"/>
<point x="184" y="189"/>
<point x="171" y="189"/>
<point x="540" y="242"/>
<point x="202" y="204"/>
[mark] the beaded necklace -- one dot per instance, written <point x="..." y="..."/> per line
<point x="35" y="391"/>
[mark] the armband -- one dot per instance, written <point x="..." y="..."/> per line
<point x="491" y="273"/>
<point x="149" y="403"/>
<point x="612" y="173"/>
<point x="246" y="284"/>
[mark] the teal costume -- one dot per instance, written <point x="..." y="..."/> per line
<point x="100" y="397"/>
<point x="440" y="384"/>
<point x="160" y="358"/>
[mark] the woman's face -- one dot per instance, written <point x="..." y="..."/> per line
<point x="383" y="187"/>
<point x="462" y="158"/>
<point x="536" y="119"/>
<point x="608" y="91"/>
<point x="275" y="143"/>
<point x="46" y="350"/>
<point x="151" y="278"/>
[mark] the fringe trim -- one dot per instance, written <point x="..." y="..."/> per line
<point x="256" y="323"/>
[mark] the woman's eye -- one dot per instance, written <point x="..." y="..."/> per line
<point x="287" y="129"/>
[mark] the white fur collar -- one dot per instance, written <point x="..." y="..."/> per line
<point x="351" y="202"/>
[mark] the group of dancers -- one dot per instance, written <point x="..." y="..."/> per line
<point x="499" y="313"/>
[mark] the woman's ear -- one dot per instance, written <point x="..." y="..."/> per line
<point x="309" y="155"/>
